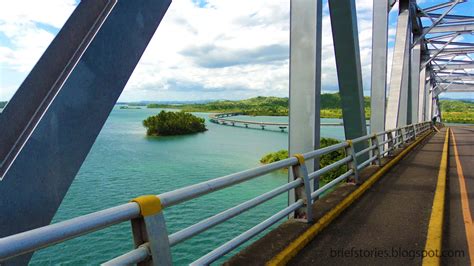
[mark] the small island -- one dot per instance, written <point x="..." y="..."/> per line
<point x="324" y="160"/>
<point x="173" y="123"/>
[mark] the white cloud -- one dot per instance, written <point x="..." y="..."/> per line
<point x="49" y="12"/>
<point x="24" y="36"/>
<point x="226" y="49"/>
<point x="28" y="42"/>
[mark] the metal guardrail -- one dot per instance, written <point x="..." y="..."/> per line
<point x="149" y="229"/>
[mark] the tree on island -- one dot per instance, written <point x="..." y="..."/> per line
<point x="324" y="160"/>
<point x="173" y="123"/>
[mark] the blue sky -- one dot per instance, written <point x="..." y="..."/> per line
<point x="203" y="49"/>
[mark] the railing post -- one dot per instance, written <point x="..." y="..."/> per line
<point x="303" y="192"/>
<point x="353" y="163"/>
<point x="374" y="140"/>
<point x="400" y="138"/>
<point x="414" y="131"/>
<point x="391" y="145"/>
<point x="151" y="228"/>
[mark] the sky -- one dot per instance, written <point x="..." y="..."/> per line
<point x="203" y="49"/>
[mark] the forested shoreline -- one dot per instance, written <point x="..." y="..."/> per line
<point x="453" y="111"/>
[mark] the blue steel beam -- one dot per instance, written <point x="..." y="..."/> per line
<point x="346" y="47"/>
<point x="51" y="123"/>
<point x="422" y="94"/>
<point x="415" y="82"/>
<point x="428" y="96"/>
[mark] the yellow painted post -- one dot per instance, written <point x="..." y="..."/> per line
<point x="150" y="228"/>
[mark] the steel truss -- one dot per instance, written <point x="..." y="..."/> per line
<point x="439" y="60"/>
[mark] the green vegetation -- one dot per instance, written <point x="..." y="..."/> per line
<point x="2" y="104"/>
<point x="156" y="105"/>
<point x="271" y="106"/>
<point x="325" y="160"/>
<point x="274" y="157"/>
<point x="453" y="111"/>
<point x="173" y="123"/>
<point x="457" y="111"/>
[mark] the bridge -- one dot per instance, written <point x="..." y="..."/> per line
<point x="404" y="197"/>
<point x="224" y="120"/>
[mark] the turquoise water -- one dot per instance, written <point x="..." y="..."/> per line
<point x="124" y="163"/>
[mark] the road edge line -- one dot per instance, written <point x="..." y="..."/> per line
<point x="299" y="243"/>
<point x="434" y="238"/>
<point x="466" y="211"/>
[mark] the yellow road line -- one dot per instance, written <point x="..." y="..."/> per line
<point x="435" y="228"/>
<point x="299" y="243"/>
<point x="466" y="211"/>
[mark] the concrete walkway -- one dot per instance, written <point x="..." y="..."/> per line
<point x="389" y="223"/>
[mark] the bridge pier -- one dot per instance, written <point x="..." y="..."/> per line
<point x="422" y="94"/>
<point x="305" y="81"/>
<point x="397" y="98"/>
<point x="378" y="95"/>
<point x="415" y="82"/>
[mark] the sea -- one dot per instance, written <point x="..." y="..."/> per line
<point x="124" y="163"/>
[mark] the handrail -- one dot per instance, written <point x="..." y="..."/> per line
<point x="174" y="197"/>
<point x="230" y="213"/>
<point x="153" y="221"/>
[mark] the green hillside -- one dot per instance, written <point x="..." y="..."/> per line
<point x="457" y="111"/>
<point x="453" y="111"/>
<point x="254" y="106"/>
<point x="271" y="106"/>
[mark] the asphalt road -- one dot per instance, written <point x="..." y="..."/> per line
<point x="389" y="223"/>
